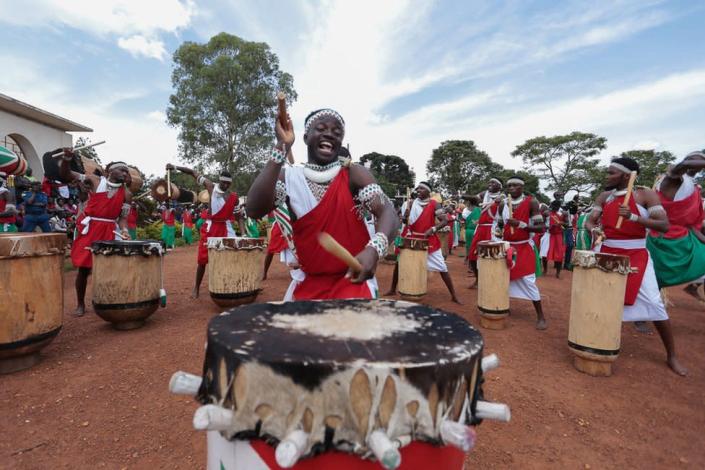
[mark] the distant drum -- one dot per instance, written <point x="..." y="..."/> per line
<point x="413" y="272"/>
<point x="235" y="269"/>
<point x="492" y="284"/>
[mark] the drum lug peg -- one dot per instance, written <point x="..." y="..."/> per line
<point x="495" y="411"/>
<point x="490" y="362"/>
<point x="386" y="452"/>
<point x="183" y="383"/>
<point x="458" y="435"/>
<point x="213" y="418"/>
<point x="290" y="450"/>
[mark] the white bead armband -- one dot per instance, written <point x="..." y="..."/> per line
<point x="523" y="225"/>
<point x="380" y="243"/>
<point x="633" y="217"/>
<point x="278" y="156"/>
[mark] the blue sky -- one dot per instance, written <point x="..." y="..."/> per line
<point x="406" y="75"/>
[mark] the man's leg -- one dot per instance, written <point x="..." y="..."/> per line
<point x="30" y="223"/>
<point x="544" y="262"/>
<point x="81" y="283"/>
<point x="473" y="268"/>
<point x="449" y="284"/>
<point x="44" y="225"/>
<point x="395" y="280"/>
<point x="540" y="319"/>
<point x="558" y="265"/>
<point x="267" y="262"/>
<point x="666" y="333"/>
<point x="200" y="271"/>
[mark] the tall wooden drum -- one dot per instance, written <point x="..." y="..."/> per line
<point x="338" y="384"/>
<point x="135" y="182"/>
<point x="32" y="271"/>
<point x="461" y="236"/>
<point x="235" y="269"/>
<point x="127" y="278"/>
<point x="596" y="305"/>
<point x="443" y="235"/>
<point x="413" y="270"/>
<point x="492" y="284"/>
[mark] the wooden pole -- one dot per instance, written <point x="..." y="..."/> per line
<point x="336" y="249"/>
<point x="168" y="184"/>
<point x="511" y="213"/>
<point x="59" y="154"/>
<point x="627" y="197"/>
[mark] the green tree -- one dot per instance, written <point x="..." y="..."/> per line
<point x="224" y="104"/>
<point x="392" y="172"/>
<point x="651" y="164"/>
<point x="531" y="182"/>
<point x="89" y="152"/>
<point x="564" y="162"/>
<point x="458" y="165"/>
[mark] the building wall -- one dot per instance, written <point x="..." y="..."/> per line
<point x="33" y="138"/>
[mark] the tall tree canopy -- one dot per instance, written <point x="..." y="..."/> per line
<point x="392" y="172"/>
<point x="224" y="104"/>
<point x="458" y="165"/>
<point x="651" y="164"/>
<point x="564" y="162"/>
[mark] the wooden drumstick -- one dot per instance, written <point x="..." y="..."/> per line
<point x="168" y="184"/>
<point x="284" y="119"/>
<point x="336" y="249"/>
<point x="511" y="214"/>
<point x="627" y="197"/>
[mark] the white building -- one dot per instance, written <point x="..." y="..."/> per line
<point x="31" y="131"/>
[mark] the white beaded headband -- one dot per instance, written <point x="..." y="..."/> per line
<point x="118" y="165"/>
<point x="324" y="113"/>
<point x="515" y="181"/>
<point x="425" y="186"/>
<point x="225" y="179"/>
<point x="620" y="167"/>
<point x="496" y="181"/>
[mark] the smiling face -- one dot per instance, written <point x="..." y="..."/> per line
<point x="324" y="139"/>
<point x="422" y="193"/>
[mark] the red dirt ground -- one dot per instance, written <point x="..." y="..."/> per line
<point x="99" y="398"/>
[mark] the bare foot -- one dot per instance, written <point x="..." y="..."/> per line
<point x="643" y="328"/>
<point x="541" y="324"/>
<point x="692" y="289"/>
<point x="677" y="367"/>
<point x="194" y="293"/>
<point x="80" y="311"/>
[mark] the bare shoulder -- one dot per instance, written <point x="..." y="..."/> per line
<point x="360" y="176"/>
<point x="646" y="196"/>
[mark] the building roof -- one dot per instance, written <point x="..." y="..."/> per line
<point x="28" y="111"/>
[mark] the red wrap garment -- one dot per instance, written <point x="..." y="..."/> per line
<point x="6" y="220"/>
<point x="168" y="217"/>
<point x="483" y="231"/>
<point x="188" y="220"/>
<point x="132" y="218"/>
<point x="556" y="247"/>
<point x="217" y="227"/>
<point x="325" y="274"/>
<point x="99" y="206"/>
<point x="639" y="257"/>
<point x="683" y="215"/>
<point x="426" y="220"/>
<point x="525" y="258"/>
<point x="277" y="242"/>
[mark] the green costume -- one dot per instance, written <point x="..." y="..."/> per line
<point x="677" y="260"/>
<point x="8" y="228"/>
<point x="539" y="265"/>
<point x="168" y="235"/>
<point x="187" y="234"/>
<point x="470" y="226"/>
<point x="252" y="228"/>
<point x="582" y="238"/>
<point x="133" y="233"/>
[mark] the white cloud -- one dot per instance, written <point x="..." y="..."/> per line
<point x="141" y="46"/>
<point x="158" y="116"/>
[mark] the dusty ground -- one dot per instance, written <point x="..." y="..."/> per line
<point x="99" y="398"/>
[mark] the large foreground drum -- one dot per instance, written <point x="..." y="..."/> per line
<point x="413" y="272"/>
<point x="596" y="305"/>
<point x="339" y="383"/>
<point x="235" y="269"/>
<point x="31" y="269"/>
<point x="127" y="280"/>
<point x="492" y="284"/>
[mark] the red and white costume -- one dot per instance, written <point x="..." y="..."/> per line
<point x="132" y="218"/>
<point x="642" y="301"/>
<point x="277" y="242"/>
<point x="522" y="276"/>
<point x="322" y="275"/>
<point x="217" y="224"/>
<point x="552" y="246"/>
<point x="421" y="218"/>
<point x="486" y="224"/>
<point x="6" y="221"/>
<point x="98" y="221"/>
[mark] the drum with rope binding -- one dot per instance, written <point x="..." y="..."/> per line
<point x="135" y="181"/>
<point x="204" y="197"/>
<point x="339" y="384"/>
<point x="160" y="192"/>
<point x="187" y="197"/>
<point x="413" y="272"/>
<point x="235" y="269"/>
<point x="493" y="284"/>
<point x="32" y="269"/>
<point x="596" y="305"/>
<point x="127" y="281"/>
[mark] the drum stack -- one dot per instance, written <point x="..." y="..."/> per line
<point x="127" y="281"/>
<point x="413" y="274"/>
<point x="32" y="273"/>
<point x="493" y="284"/>
<point x="235" y="269"/>
<point x="596" y="304"/>
<point x="340" y="383"/>
<point x="11" y="163"/>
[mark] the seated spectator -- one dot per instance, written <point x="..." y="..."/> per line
<point x="35" y="209"/>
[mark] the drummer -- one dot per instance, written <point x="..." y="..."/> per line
<point x="330" y="195"/>
<point x="642" y="300"/>
<point x="420" y="221"/>
<point x="222" y="204"/>
<point x="523" y="219"/>
<point x="168" y="225"/>
<point x="105" y="211"/>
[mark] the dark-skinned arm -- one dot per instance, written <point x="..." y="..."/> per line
<point x="68" y="176"/>
<point x="208" y="184"/>
<point x="122" y="221"/>
<point x="679" y="170"/>
<point x="657" y="221"/>
<point x="385" y="215"/>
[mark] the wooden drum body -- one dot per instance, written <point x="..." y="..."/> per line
<point x="160" y="191"/>
<point x="492" y="284"/>
<point x="443" y="235"/>
<point x="235" y="269"/>
<point x="413" y="270"/>
<point x="127" y="279"/>
<point x="136" y="182"/>
<point x="461" y="236"/>
<point x="596" y="306"/>
<point x="32" y="270"/>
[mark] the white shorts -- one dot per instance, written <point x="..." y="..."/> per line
<point x="435" y="262"/>
<point x="524" y="288"/>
